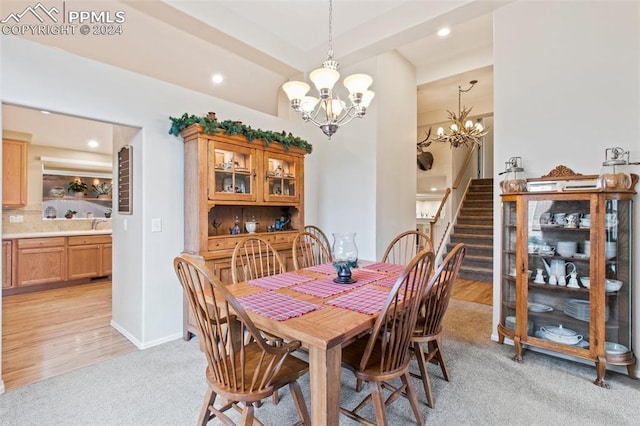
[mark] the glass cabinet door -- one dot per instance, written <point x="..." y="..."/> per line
<point x="281" y="177"/>
<point x="509" y="271"/>
<point x="233" y="174"/>
<point x="617" y="275"/>
<point x="558" y="249"/>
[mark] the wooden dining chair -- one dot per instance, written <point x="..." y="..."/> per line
<point x="405" y="246"/>
<point x="384" y="354"/>
<point x="253" y="257"/>
<point x="241" y="366"/>
<point x="320" y="234"/>
<point x="309" y="250"/>
<point x="428" y="330"/>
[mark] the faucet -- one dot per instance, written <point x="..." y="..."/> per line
<point x="95" y="222"/>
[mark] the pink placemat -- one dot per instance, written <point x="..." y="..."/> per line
<point x="277" y="306"/>
<point x="365" y="300"/>
<point x="388" y="281"/>
<point x="385" y="267"/>
<point x="325" y="268"/>
<point x="325" y="287"/>
<point x="275" y="282"/>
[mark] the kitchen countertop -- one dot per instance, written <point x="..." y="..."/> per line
<point x="55" y="234"/>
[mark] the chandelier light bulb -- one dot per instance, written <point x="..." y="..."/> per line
<point x="295" y="89"/>
<point x="324" y="78"/>
<point x="357" y="83"/>
<point x="468" y="125"/>
<point x="440" y="131"/>
<point x="308" y="103"/>
<point x="367" y="97"/>
<point x="479" y="127"/>
<point x="454" y="127"/>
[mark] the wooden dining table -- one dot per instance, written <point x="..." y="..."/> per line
<point x="323" y="331"/>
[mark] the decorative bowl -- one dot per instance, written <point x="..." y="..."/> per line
<point x="251" y="227"/>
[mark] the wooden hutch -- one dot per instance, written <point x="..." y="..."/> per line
<point x="229" y="180"/>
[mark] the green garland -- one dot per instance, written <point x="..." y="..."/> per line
<point x="210" y="125"/>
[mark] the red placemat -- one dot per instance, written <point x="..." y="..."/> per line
<point x="365" y="300"/>
<point x="325" y="268"/>
<point x="275" y="282"/>
<point x="277" y="306"/>
<point x="388" y="281"/>
<point x="386" y="267"/>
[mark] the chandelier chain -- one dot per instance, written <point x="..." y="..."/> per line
<point x="330" y="53"/>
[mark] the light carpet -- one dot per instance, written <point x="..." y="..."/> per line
<point x="165" y="385"/>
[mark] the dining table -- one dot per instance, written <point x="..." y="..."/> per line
<point x="307" y="305"/>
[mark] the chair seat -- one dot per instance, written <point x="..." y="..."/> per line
<point x="292" y="369"/>
<point x="352" y="356"/>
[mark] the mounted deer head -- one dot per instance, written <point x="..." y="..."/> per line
<point x="424" y="158"/>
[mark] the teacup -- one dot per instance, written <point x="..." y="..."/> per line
<point x="560" y="218"/>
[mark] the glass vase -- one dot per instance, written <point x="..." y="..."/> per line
<point x="345" y="256"/>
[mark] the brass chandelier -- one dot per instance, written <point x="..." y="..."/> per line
<point x="461" y="131"/>
<point x="329" y="112"/>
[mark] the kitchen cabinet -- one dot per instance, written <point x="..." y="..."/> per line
<point x="14" y="173"/>
<point x="230" y="181"/>
<point x="566" y="277"/>
<point x="89" y="256"/>
<point x="6" y="264"/>
<point x="40" y="261"/>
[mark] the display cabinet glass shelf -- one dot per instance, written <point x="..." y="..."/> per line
<point x="566" y="277"/>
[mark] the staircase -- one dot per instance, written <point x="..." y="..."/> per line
<point x="474" y="228"/>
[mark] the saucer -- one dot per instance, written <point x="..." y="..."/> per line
<point x="581" y="255"/>
<point x="546" y="253"/>
<point x="538" y="307"/>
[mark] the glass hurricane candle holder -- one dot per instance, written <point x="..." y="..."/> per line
<point x="345" y="256"/>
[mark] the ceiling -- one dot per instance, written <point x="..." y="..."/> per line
<point x="259" y="44"/>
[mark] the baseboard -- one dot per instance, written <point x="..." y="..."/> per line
<point x="145" y="345"/>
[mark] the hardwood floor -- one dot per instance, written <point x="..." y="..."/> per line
<point x="47" y="333"/>
<point x="473" y="291"/>
<point x="51" y="332"/>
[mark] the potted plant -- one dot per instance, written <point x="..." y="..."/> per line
<point x="77" y="187"/>
<point x="103" y="190"/>
<point x="107" y="214"/>
<point x="69" y="214"/>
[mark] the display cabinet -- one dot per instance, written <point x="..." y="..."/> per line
<point x="566" y="277"/>
<point x="230" y="181"/>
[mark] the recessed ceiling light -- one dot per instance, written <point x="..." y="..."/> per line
<point x="444" y="31"/>
<point x="93" y="144"/>
<point x="217" y="78"/>
<point x="434" y="189"/>
<point x="45" y="112"/>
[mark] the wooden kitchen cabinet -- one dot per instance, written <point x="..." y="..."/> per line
<point x="89" y="256"/>
<point x="551" y="308"/>
<point x="228" y="178"/>
<point x="6" y="264"/>
<point x="14" y="173"/>
<point x="40" y="260"/>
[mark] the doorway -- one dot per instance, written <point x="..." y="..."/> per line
<point x="77" y="318"/>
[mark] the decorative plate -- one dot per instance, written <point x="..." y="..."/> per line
<point x="539" y="307"/>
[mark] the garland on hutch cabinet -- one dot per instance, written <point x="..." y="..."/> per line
<point x="210" y="125"/>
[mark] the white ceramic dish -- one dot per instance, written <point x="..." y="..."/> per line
<point x="615" y="348"/>
<point x="580" y="344"/>
<point x="581" y="255"/>
<point x="560" y="334"/>
<point x="585" y="281"/>
<point x="539" y="307"/>
<point x="612" y="285"/>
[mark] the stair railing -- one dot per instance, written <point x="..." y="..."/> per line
<point x="437" y="227"/>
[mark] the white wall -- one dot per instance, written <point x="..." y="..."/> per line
<point x="366" y="181"/>
<point x="147" y="294"/>
<point x="566" y="88"/>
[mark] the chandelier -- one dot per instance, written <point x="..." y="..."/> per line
<point x="326" y="111"/>
<point x="461" y="130"/>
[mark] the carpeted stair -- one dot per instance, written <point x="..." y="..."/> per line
<point x="474" y="228"/>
